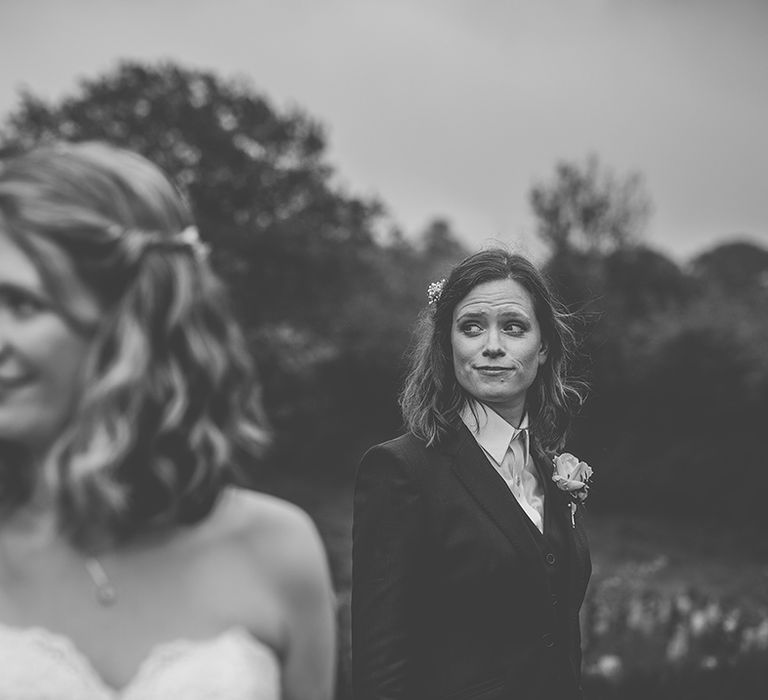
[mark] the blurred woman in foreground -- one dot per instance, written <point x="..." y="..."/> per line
<point x="131" y="565"/>
<point x="470" y="561"/>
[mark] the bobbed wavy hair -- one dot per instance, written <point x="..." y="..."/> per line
<point x="432" y="399"/>
<point x="168" y="413"/>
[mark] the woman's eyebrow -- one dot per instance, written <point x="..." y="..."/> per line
<point x="515" y="313"/>
<point x="505" y="313"/>
<point x="471" y="313"/>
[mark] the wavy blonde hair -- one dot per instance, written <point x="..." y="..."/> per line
<point x="168" y="413"/>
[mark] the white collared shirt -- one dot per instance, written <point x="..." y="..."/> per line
<point x="494" y="435"/>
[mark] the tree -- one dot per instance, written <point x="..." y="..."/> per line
<point x="257" y="178"/>
<point x="588" y="208"/>
<point x="439" y="249"/>
<point x="315" y="289"/>
<point x="738" y="268"/>
<point x="640" y="282"/>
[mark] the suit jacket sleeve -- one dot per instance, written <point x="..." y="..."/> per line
<point x="387" y="575"/>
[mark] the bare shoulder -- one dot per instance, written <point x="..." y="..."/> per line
<point x="243" y="510"/>
<point x="278" y="536"/>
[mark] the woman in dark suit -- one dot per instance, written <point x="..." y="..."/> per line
<point x="470" y="562"/>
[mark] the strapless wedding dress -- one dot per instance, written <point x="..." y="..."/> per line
<point x="36" y="664"/>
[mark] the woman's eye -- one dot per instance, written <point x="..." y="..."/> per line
<point x="471" y="329"/>
<point x="20" y="305"/>
<point x="514" y="328"/>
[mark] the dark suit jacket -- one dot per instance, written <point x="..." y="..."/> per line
<point x="451" y="597"/>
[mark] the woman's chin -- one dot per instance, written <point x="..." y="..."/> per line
<point x="500" y="395"/>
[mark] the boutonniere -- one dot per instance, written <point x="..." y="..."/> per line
<point x="574" y="478"/>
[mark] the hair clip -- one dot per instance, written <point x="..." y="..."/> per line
<point x="189" y="239"/>
<point x="435" y="290"/>
<point x="190" y="236"/>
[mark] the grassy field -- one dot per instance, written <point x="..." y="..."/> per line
<point x="676" y="608"/>
<point x="728" y="563"/>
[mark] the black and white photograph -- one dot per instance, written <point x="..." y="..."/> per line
<point x="383" y="350"/>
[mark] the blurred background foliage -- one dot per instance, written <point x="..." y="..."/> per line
<point x="328" y="291"/>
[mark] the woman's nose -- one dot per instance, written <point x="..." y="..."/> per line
<point x="9" y="328"/>
<point x="5" y="327"/>
<point x="493" y="347"/>
<point x="4" y="339"/>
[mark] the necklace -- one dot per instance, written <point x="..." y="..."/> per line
<point x="106" y="593"/>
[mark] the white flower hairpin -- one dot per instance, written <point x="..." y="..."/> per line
<point x="190" y="236"/>
<point x="434" y="291"/>
<point x="189" y="239"/>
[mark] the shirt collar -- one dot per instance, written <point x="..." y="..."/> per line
<point x="490" y="430"/>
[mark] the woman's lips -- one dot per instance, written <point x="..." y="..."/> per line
<point x="493" y="370"/>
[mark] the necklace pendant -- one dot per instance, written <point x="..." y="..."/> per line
<point x="106" y="593"/>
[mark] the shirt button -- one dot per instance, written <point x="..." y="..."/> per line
<point x="550" y="558"/>
<point x="548" y="639"/>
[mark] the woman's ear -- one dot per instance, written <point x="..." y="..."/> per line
<point x="543" y="352"/>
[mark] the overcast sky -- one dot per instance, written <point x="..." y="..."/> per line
<point x="454" y="107"/>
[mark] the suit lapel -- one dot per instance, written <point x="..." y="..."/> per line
<point x="487" y="487"/>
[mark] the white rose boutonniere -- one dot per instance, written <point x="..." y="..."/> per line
<point x="574" y="477"/>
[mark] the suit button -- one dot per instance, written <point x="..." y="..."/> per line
<point x="550" y="558"/>
<point x="554" y="600"/>
<point x="548" y="639"/>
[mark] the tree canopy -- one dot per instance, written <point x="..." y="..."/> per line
<point x="327" y="300"/>
<point x="675" y="354"/>
<point x="588" y="208"/>
<point x="328" y="290"/>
